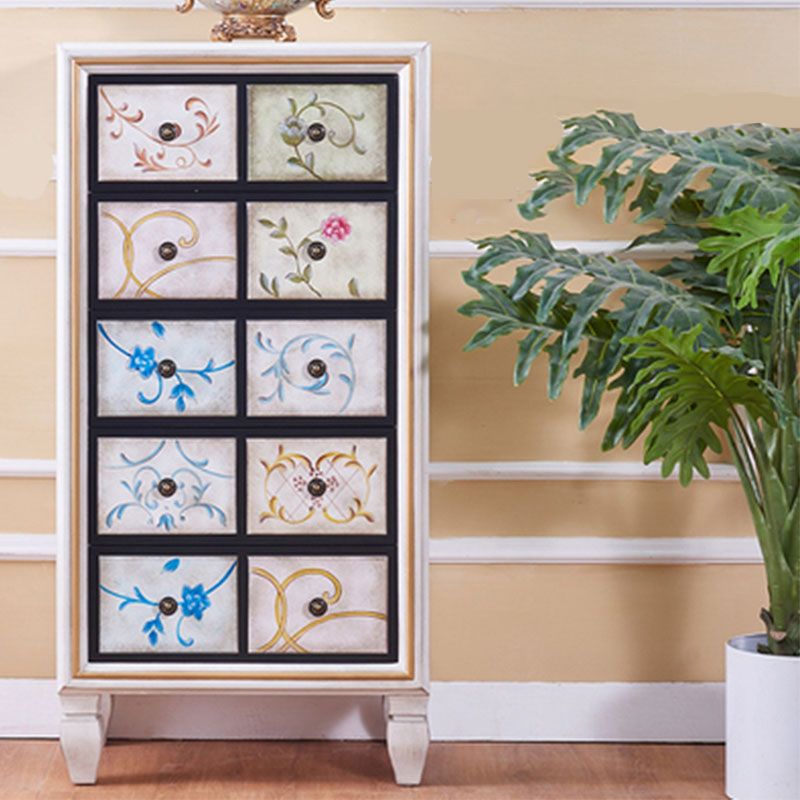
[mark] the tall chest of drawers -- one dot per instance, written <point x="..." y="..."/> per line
<point x="242" y="386"/>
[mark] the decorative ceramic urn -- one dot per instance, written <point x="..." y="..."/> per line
<point x="256" y="19"/>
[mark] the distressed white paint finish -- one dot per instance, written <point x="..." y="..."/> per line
<point x="281" y="353"/>
<point x="353" y="263"/>
<point x="129" y="384"/>
<point x="407" y="736"/>
<point x="354" y="589"/>
<point x="84" y="725"/>
<point x="203" y="498"/>
<point x="353" y="474"/>
<point x="354" y="129"/>
<point x="131" y="146"/>
<point x="460" y="711"/>
<point x="202" y="265"/>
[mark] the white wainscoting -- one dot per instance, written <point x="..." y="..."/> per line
<point x="469" y="711"/>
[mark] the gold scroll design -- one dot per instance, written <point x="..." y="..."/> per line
<point x="144" y="287"/>
<point x="206" y="123"/>
<point x="291" y="641"/>
<point x="288" y="462"/>
<point x="263" y="6"/>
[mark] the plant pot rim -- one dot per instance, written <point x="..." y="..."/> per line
<point x="746" y="644"/>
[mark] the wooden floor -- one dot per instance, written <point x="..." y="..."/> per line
<point x="360" y="770"/>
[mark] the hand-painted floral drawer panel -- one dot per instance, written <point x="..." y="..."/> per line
<point x="154" y="251"/>
<point x="164" y="604"/>
<point x="181" y="486"/>
<point x="325" y="132"/>
<point x="316" y="486"/>
<point x="318" y="604"/>
<point x="180" y="132"/>
<point x="316" y="368"/>
<point x="313" y="251"/>
<point x="166" y="368"/>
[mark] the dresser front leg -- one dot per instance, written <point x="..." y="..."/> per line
<point x="84" y="723"/>
<point x="407" y="736"/>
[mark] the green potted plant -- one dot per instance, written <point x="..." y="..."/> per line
<point x="700" y="354"/>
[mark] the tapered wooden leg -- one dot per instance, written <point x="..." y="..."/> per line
<point x="407" y="736"/>
<point x="84" y="723"/>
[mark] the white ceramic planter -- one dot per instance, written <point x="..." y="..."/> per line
<point x="762" y="722"/>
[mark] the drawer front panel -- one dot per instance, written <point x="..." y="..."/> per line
<point x="314" y="251"/>
<point x="317" y="486"/>
<point x="322" y="604"/>
<point x="162" y="486"/>
<point x="155" y="251"/>
<point x="168" y="368"/>
<point x="316" y="368"/>
<point x="184" y="132"/>
<point x="162" y="604"/>
<point x="325" y="132"/>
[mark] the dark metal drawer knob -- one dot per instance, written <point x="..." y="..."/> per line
<point x="317" y="607"/>
<point x="169" y="131"/>
<point x="167" y="368"/>
<point x="317" y="487"/>
<point x="316" y="251"/>
<point x="167" y="250"/>
<point x="317" y="368"/>
<point x="316" y="132"/>
<point x="167" y="487"/>
<point x="168" y="606"/>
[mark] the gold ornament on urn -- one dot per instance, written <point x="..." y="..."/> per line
<point x="256" y="19"/>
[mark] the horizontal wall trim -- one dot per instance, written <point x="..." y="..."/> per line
<point x="466" y="470"/>
<point x="27" y="468"/>
<point x="511" y="549"/>
<point x="456" y="5"/>
<point x="440" y="249"/>
<point x="459" y="711"/>
<point x="561" y="471"/>
<point x="594" y="550"/>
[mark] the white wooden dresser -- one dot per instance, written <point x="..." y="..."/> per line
<point x="242" y="388"/>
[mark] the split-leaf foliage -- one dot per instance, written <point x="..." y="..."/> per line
<point x="696" y="354"/>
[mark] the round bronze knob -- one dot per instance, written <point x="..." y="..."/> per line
<point x="317" y="607"/>
<point x="168" y="606"/>
<point x="167" y="487"/>
<point x="317" y="487"/>
<point x="169" y="131"/>
<point x="317" y="368"/>
<point x="316" y="251"/>
<point x="167" y="250"/>
<point x="167" y="368"/>
<point x="316" y="132"/>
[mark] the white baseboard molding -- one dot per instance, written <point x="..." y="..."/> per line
<point x="525" y="712"/>
<point x="511" y="549"/>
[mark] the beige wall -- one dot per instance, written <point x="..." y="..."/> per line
<point x="502" y="80"/>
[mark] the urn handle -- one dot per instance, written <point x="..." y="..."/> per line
<point x="322" y="8"/>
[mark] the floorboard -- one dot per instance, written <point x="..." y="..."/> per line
<point x="167" y="770"/>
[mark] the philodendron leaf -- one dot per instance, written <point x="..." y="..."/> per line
<point x="688" y="394"/>
<point x="752" y="244"/>
<point x="654" y="170"/>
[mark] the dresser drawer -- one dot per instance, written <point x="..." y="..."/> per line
<point x="179" y="132"/>
<point x="316" y="368"/>
<point x="166" y="368"/>
<point x="150" y="485"/>
<point x="318" y="132"/>
<point x="317" y="251"/>
<point x="163" y="604"/>
<point x="318" y="604"/>
<point x="317" y="486"/>
<point x="155" y="251"/>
